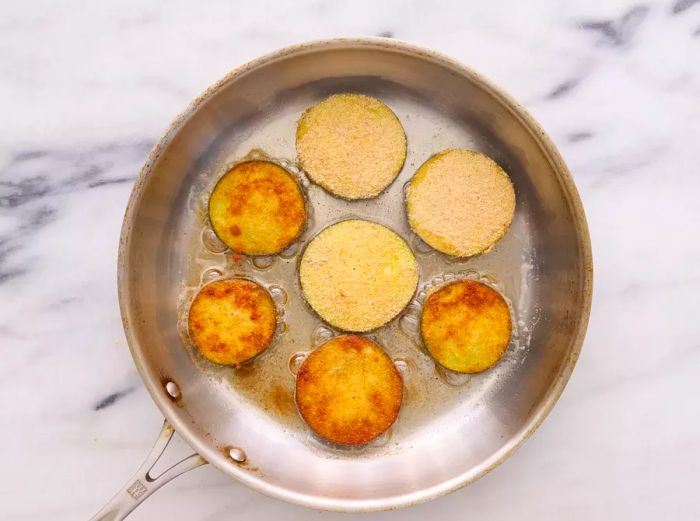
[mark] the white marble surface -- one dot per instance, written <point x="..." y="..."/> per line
<point x="86" y="89"/>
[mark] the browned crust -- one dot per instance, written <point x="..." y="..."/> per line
<point x="466" y="326"/>
<point x="245" y="225"/>
<point x="349" y="391"/>
<point x="231" y="321"/>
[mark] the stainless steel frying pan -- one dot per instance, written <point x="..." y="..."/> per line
<point x="452" y="429"/>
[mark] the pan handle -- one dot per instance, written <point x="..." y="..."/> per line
<point x="143" y="484"/>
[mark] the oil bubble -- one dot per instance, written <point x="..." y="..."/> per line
<point x="402" y="366"/>
<point x="290" y="251"/>
<point x="296" y="360"/>
<point x="278" y="294"/>
<point x="420" y="245"/>
<point x="281" y="328"/>
<point x="321" y="335"/>
<point x="263" y="263"/>
<point x="211" y="274"/>
<point x="211" y="242"/>
<point x="381" y="440"/>
<point x="452" y="377"/>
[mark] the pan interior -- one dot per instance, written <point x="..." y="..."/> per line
<point x="451" y="427"/>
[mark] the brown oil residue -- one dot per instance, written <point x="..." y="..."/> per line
<point x="267" y="383"/>
<point x="280" y="400"/>
<point x="246" y="371"/>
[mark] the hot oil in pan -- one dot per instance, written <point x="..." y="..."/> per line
<point x="268" y="381"/>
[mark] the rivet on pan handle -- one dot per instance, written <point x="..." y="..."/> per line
<point x="143" y="484"/>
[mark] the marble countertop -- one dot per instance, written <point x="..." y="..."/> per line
<point x="87" y="88"/>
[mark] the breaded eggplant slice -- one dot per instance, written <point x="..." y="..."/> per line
<point x="232" y="320"/>
<point x="352" y="145"/>
<point x="466" y="326"/>
<point x="257" y="208"/>
<point x="460" y="202"/>
<point x="348" y="390"/>
<point x="357" y="275"/>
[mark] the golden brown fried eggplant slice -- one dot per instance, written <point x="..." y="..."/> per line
<point x="348" y="390"/>
<point x="231" y="321"/>
<point x="257" y="208"/>
<point x="466" y="326"/>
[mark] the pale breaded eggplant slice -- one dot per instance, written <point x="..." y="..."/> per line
<point x="351" y="144"/>
<point x="460" y="202"/>
<point x="257" y="208"/>
<point x="466" y="326"/>
<point x="348" y="390"/>
<point x="358" y="275"/>
<point x="231" y="321"/>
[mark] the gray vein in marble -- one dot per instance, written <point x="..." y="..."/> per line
<point x="386" y="34"/>
<point x="582" y="135"/>
<point x="9" y="244"/>
<point x="62" y="302"/>
<point x="8" y="248"/>
<point x="113" y="398"/>
<point x="563" y="88"/>
<point x="115" y="181"/>
<point x="5" y="249"/>
<point x="13" y="194"/>
<point x="619" y="31"/>
<point x="682" y="5"/>
<point x="31" y="154"/>
<point x="42" y="173"/>
<point x="42" y="216"/>
<point x="618" y="167"/>
<point x="36" y="176"/>
<point x="6" y="275"/>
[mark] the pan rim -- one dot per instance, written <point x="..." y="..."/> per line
<point x="170" y="410"/>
